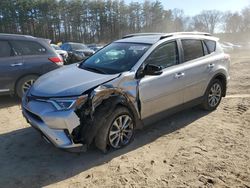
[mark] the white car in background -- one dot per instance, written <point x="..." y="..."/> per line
<point x="226" y="48"/>
<point x="61" y="52"/>
<point x="231" y="45"/>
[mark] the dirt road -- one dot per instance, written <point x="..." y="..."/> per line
<point x="190" y="149"/>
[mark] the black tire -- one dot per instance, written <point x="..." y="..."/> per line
<point x="213" y="96"/>
<point x="22" y="84"/>
<point x="102" y="139"/>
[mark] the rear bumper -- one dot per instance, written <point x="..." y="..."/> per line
<point x="54" y="126"/>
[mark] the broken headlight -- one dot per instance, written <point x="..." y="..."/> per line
<point x="68" y="103"/>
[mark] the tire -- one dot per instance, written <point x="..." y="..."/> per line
<point x="113" y="136"/>
<point x="24" y="84"/>
<point x="213" y="95"/>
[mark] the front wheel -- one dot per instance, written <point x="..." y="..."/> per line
<point x="213" y="95"/>
<point x="117" y="131"/>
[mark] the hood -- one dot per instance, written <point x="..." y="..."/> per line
<point x="68" y="81"/>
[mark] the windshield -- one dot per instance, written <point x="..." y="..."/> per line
<point x="115" y="58"/>
<point x="78" y="46"/>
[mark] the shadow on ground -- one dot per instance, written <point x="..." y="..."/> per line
<point x="8" y="101"/>
<point x="27" y="161"/>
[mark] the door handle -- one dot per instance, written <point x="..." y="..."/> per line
<point x="211" y="65"/>
<point x="179" y="75"/>
<point x="16" y="64"/>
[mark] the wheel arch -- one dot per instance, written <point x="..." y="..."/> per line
<point x="21" y="77"/>
<point x="101" y="103"/>
<point x="222" y="78"/>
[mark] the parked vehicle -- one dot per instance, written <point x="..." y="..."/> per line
<point x="22" y="60"/>
<point x="129" y="83"/>
<point x="76" y="51"/>
<point x="233" y="46"/>
<point x="63" y="53"/>
<point x="95" y="47"/>
<point x="226" y="48"/>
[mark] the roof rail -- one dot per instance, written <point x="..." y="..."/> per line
<point x="185" y="33"/>
<point x="141" y="34"/>
<point x="165" y="35"/>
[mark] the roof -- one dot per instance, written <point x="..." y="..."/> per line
<point x="151" y="38"/>
<point x="146" y="39"/>
<point x="7" y="36"/>
<point x="15" y="36"/>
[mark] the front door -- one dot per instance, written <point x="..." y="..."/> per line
<point x="162" y="92"/>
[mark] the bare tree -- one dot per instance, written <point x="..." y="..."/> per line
<point x="233" y="22"/>
<point x="207" y="21"/>
<point x="246" y="19"/>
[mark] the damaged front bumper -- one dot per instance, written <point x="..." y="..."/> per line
<point x="55" y="126"/>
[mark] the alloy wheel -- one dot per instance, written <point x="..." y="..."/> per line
<point x="214" y="95"/>
<point x="121" y="131"/>
<point x="27" y="85"/>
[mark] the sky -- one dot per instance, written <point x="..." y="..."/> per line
<point x="193" y="7"/>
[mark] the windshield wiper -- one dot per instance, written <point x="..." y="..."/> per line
<point x="94" y="69"/>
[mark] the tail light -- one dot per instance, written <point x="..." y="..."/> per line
<point x="57" y="60"/>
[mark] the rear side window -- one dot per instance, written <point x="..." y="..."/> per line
<point x="28" y="48"/>
<point x="5" y="49"/>
<point x="205" y="49"/>
<point x="165" y="55"/>
<point x="211" y="45"/>
<point x="192" y="49"/>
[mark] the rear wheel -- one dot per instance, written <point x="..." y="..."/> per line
<point x="213" y="95"/>
<point x="24" y="84"/>
<point x="117" y="131"/>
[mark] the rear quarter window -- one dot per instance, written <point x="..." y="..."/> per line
<point x="211" y="45"/>
<point x="192" y="49"/>
<point x="28" y="48"/>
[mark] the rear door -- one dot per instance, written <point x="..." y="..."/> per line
<point x="162" y="92"/>
<point x="10" y="67"/>
<point x="197" y="66"/>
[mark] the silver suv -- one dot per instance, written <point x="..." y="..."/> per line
<point x="127" y="84"/>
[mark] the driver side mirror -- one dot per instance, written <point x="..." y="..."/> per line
<point x="151" y="69"/>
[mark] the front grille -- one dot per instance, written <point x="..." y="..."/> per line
<point x="34" y="116"/>
<point x="28" y="99"/>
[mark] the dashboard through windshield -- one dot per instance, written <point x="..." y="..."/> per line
<point x="115" y="58"/>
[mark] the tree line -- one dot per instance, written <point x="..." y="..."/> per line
<point x="98" y="21"/>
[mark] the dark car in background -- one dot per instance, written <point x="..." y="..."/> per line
<point x="23" y="59"/>
<point x="76" y="51"/>
<point x="95" y="47"/>
<point x="61" y="52"/>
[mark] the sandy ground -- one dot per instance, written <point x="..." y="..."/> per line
<point x="190" y="149"/>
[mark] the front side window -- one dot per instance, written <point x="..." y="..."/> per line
<point x="28" y="48"/>
<point x="165" y="55"/>
<point x="192" y="49"/>
<point x="5" y="49"/>
<point x="115" y="58"/>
